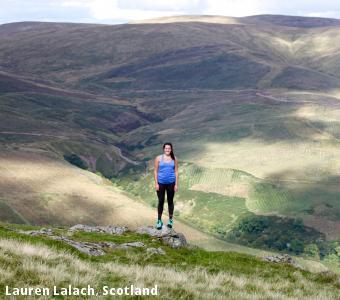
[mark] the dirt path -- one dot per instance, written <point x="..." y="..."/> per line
<point x="282" y="99"/>
<point x="34" y="133"/>
<point x="119" y="151"/>
<point x="62" y="91"/>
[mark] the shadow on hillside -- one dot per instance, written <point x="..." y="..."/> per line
<point x="36" y="203"/>
<point x="308" y="192"/>
<point x="292" y="209"/>
<point x="228" y="116"/>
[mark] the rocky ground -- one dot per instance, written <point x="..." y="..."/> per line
<point x="166" y="235"/>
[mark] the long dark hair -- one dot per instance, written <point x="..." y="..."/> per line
<point x="172" y="152"/>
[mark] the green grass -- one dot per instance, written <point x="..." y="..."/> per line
<point x="292" y="198"/>
<point x="256" y="274"/>
<point x="218" y="214"/>
<point x="209" y="210"/>
<point x="212" y="206"/>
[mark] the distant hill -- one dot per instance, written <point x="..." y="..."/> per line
<point x="291" y="21"/>
<point x="279" y="20"/>
<point x="208" y="52"/>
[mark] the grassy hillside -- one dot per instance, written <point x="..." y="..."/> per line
<point x="63" y="122"/>
<point x="240" y="208"/>
<point x="39" y="190"/>
<point x="286" y="144"/>
<point x="184" y="273"/>
<point x="250" y="104"/>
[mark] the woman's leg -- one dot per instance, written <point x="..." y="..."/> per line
<point x="170" y="193"/>
<point x="161" y="195"/>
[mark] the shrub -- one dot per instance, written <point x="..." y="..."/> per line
<point x="74" y="159"/>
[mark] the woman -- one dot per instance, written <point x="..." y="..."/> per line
<point x="166" y="179"/>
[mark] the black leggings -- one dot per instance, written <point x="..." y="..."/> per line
<point x="170" y="193"/>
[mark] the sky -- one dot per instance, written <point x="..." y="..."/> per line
<point x="123" y="11"/>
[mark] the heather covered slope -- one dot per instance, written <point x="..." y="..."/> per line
<point x="246" y="52"/>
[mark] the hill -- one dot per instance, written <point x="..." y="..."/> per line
<point x="258" y="51"/>
<point x="40" y="190"/>
<point x="251" y="105"/>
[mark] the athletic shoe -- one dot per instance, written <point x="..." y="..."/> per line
<point x="159" y="224"/>
<point x="170" y="223"/>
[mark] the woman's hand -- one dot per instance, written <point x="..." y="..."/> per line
<point x="157" y="186"/>
<point x="176" y="188"/>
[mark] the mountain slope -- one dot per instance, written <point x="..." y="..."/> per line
<point x="251" y="104"/>
<point x="101" y="58"/>
<point x="37" y="189"/>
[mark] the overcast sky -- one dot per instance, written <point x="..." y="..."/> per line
<point x="122" y="11"/>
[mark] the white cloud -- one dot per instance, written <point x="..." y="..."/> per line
<point x="120" y="11"/>
<point x="238" y="8"/>
<point x="169" y="5"/>
<point x="143" y="9"/>
<point x="325" y="14"/>
<point x="112" y="9"/>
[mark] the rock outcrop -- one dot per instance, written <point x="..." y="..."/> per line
<point x="158" y="250"/>
<point x="166" y="235"/>
<point x="105" y="229"/>
<point x="89" y="248"/>
<point x="282" y="258"/>
<point x="42" y="231"/>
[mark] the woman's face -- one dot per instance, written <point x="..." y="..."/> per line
<point x="167" y="149"/>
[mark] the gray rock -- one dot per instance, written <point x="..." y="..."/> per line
<point x="42" y="231"/>
<point x="85" y="247"/>
<point x="133" y="244"/>
<point x="175" y="240"/>
<point x="105" y="229"/>
<point x="89" y="248"/>
<point x="96" y="248"/>
<point x="282" y="258"/>
<point x="167" y="235"/>
<point x="153" y="250"/>
<point x="152" y="231"/>
<point x="108" y="244"/>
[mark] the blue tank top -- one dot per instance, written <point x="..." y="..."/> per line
<point x="166" y="172"/>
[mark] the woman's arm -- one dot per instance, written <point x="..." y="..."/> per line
<point x="155" y="173"/>
<point x="176" y="173"/>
